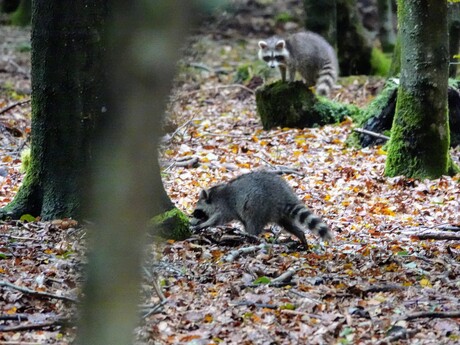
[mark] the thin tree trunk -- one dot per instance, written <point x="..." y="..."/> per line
<point x="420" y="133"/>
<point x="354" y="48"/>
<point x="454" y="37"/>
<point x="387" y="33"/>
<point x="321" y="17"/>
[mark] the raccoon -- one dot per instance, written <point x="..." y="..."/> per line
<point x="306" y="52"/>
<point x="256" y="199"/>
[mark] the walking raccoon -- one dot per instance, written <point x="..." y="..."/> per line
<point x="256" y="199"/>
<point x="306" y="52"/>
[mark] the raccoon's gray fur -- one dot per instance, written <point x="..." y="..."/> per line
<point x="305" y="52"/>
<point x="256" y="199"/>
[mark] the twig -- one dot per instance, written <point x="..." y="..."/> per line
<point x="433" y="314"/>
<point x="245" y="250"/>
<point x="443" y="235"/>
<point x="253" y="304"/>
<point x="179" y="129"/>
<point x="285" y="277"/>
<point x="236" y="85"/>
<point x="373" y="134"/>
<point x="38" y="325"/>
<point x="155" y="309"/>
<point x="37" y="293"/>
<point x="4" y="110"/>
<point x="398" y="335"/>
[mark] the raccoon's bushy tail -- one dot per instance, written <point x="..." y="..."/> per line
<point x="316" y="225"/>
<point x="326" y="79"/>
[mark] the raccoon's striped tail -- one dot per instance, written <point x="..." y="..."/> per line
<point x="316" y="225"/>
<point x="326" y="80"/>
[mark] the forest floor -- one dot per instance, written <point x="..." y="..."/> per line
<point x="382" y="280"/>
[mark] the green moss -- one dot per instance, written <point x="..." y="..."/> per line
<point x="416" y="148"/>
<point x="172" y="224"/>
<point x="379" y="103"/>
<point x="25" y="160"/>
<point x="284" y="17"/>
<point x="380" y="63"/>
<point x="294" y="105"/>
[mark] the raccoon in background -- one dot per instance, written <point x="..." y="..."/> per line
<point x="256" y="199"/>
<point x="306" y="52"/>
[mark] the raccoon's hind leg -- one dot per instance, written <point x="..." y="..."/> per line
<point x="297" y="231"/>
<point x="253" y="228"/>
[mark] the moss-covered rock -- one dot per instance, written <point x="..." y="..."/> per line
<point x="171" y="225"/>
<point x="294" y="105"/>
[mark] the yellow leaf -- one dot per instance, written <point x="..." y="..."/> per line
<point x="12" y="311"/>
<point x="208" y="318"/>
<point x="425" y="283"/>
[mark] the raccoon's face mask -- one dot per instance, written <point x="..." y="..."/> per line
<point x="200" y="216"/>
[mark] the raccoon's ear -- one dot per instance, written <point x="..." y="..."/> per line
<point x="204" y="195"/>
<point x="263" y="45"/>
<point x="280" y="44"/>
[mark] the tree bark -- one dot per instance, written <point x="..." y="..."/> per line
<point x="420" y="133"/>
<point x="321" y="17"/>
<point x="144" y="42"/>
<point x="23" y="13"/>
<point x="454" y="37"/>
<point x="67" y="98"/>
<point x="387" y="33"/>
<point x="354" y="49"/>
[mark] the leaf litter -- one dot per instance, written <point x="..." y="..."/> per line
<point x="376" y="283"/>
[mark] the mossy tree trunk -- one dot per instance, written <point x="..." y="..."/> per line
<point x="67" y="99"/>
<point x="321" y="17"/>
<point x="354" y="48"/>
<point x="420" y="133"/>
<point x="68" y="104"/>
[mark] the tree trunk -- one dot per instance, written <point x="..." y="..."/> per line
<point x="395" y="67"/>
<point x="387" y="33"/>
<point x="419" y="141"/>
<point x="128" y="188"/>
<point x="23" y="13"/>
<point x="67" y="80"/>
<point x="354" y="48"/>
<point x="454" y="37"/>
<point x="321" y="17"/>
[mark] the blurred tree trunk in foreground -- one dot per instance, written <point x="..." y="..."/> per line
<point x="143" y="45"/>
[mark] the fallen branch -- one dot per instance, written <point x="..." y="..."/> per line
<point x="236" y="253"/>
<point x="432" y="315"/>
<point x="37" y="293"/>
<point x="38" y="325"/>
<point x="373" y="134"/>
<point x="430" y="234"/>
<point x="285" y="277"/>
<point x="253" y="304"/>
<point x="156" y="309"/>
<point x="4" y="110"/>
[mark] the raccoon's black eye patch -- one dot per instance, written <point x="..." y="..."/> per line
<point x="199" y="214"/>
<point x="267" y="58"/>
<point x="279" y="58"/>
